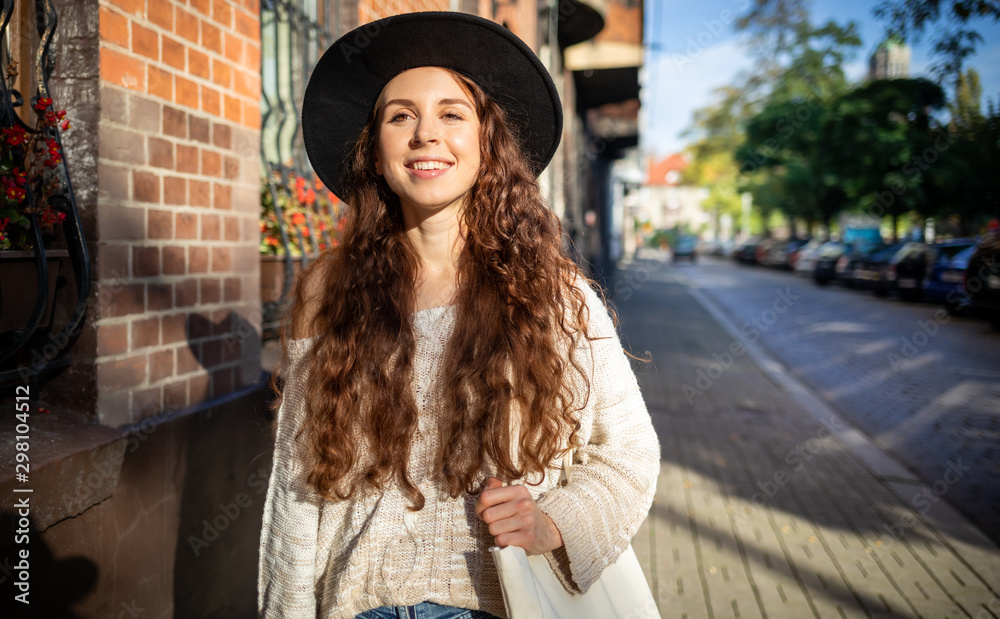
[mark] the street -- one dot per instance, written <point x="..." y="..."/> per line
<point x="770" y="506"/>
<point x="924" y="386"/>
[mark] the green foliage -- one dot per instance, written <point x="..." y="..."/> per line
<point x="807" y="145"/>
<point x="954" y="41"/>
<point x="780" y="152"/>
<point x="880" y="140"/>
<point x="966" y="184"/>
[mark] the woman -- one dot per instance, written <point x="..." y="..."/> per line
<point x="447" y="353"/>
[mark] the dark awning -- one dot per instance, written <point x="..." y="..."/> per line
<point x="597" y="87"/>
<point x="604" y="72"/>
<point x="580" y="20"/>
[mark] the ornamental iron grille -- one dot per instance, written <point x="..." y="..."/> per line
<point x="39" y="220"/>
<point x="299" y="217"/>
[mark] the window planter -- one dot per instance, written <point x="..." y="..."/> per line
<point x="272" y="277"/>
<point x="19" y="287"/>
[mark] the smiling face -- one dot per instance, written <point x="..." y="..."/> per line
<point x="428" y="141"/>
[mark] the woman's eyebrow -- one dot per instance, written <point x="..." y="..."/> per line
<point x="408" y="103"/>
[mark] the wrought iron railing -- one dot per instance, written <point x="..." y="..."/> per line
<point x="26" y="356"/>
<point x="294" y="33"/>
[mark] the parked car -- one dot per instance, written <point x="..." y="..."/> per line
<point x="763" y="250"/>
<point x="723" y="247"/>
<point x="944" y="279"/>
<point x="827" y="256"/>
<point x="982" y="280"/>
<point x="792" y="250"/>
<point x="686" y="247"/>
<point x="872" y="270"/>
<point x="778" y="255"/>
<point x="914" y="263"/>
<point x="746" y="252"/>
<point x="853" y="253"/>
<point x="805" y="261"/>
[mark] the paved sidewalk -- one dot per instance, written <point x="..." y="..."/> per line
<point x="768" y="504"/>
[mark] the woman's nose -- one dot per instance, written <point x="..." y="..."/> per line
<point x="425" y="131"/>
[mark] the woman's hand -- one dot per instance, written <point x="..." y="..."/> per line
<point x="514" y="518"/>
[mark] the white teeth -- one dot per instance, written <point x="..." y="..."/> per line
<point x="430" y="165"/>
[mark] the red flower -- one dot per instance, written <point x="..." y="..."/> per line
<point x="65" y="125"/>
<point x="271" y="240"/>
<point x="310" y="197"/>
<point x="15" y="135"/>
<point x="15" y="193"/>
<point x="298" y="218"/>
<point x="49" y="218"/>
<point x="43" y="104"/>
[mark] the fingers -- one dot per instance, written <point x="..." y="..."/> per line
<point x="514" y="518"/>
<point x="495" y="493"/>
<point x="517" y="514"/>
<point x="534" y="532"/>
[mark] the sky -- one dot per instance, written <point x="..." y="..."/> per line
<point x="692" y="49"/>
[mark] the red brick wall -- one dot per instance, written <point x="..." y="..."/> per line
<point x="623" y="23"/>
<point x="178" y="204"/>
<point x="520" y="17"/>
<point x="370" y="10"/>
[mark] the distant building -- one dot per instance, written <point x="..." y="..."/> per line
<point x="891" y="60"/>
<point x="668" y="202"/>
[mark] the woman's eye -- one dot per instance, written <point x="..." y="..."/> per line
<point x="453" y="115"/>
<point x="398" y="116"/>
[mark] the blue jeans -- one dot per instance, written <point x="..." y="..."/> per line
<point x="424" y="610"/>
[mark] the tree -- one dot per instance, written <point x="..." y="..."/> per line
<point x="953" y="42"/>
<point x="881" y="140"/>
<point x="780" y="151"/>
<point x="712" y="165"/>
<point x="965" y="184"/>
<point x="966" y="112"/>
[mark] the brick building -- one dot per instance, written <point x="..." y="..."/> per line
<point x="150" y="438"/>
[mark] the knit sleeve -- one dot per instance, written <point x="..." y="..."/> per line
<point x="614" y="474"/>
<point x="286" y="581"/>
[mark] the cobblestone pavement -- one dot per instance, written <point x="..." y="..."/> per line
<point x="923" y="385"/>
<point x="764" y="509"/>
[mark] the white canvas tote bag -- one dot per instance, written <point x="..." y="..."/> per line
<point x="532" y="591"/>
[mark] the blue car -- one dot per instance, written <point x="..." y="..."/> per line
<point x="686" y="247"/>
<point x="982" y="280"/>
<point x="943" y="282"/>
<point x="915" y="263"/>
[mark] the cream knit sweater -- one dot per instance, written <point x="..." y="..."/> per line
<point x="334" y="560"/>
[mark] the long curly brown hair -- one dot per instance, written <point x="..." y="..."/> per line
<point x="518" y="314"/>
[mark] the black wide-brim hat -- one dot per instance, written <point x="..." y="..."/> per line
<point x="348" y="79"/>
